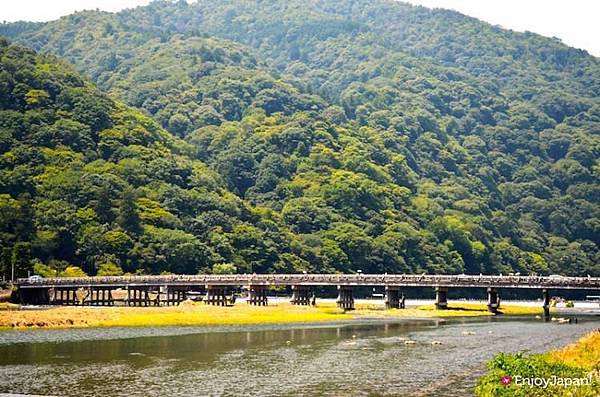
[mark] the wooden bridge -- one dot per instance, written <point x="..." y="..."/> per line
<point x="218" y="289"/>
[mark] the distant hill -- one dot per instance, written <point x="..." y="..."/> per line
<point x="350" y="135"/>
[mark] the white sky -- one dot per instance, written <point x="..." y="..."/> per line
<point x="47" y="10"/>
<point x="576" y="22"/>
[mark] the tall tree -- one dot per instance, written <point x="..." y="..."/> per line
<point x="5" y="262"/>
<point x="21" y="259"/>
<point x="129" y="218"/>
<point x="103" y="205"/>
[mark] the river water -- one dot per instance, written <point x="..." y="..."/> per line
<point x="344" y="359"/>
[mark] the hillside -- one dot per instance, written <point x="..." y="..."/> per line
<point x="350" y="135"/>
<point x="87" y="181"/>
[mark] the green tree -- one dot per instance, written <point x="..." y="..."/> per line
<point x="103" y="205"/>
<point x="224" y="268"/>
<point x="5" y="262"/>
<point x="109" y="269"/>
<point x="128" y="217"/>
<point x="43" y="270"/>
<point x="72" y="271"/>
<point x="22" y="259"/>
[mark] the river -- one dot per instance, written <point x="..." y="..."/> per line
<point x="343" y="359"/>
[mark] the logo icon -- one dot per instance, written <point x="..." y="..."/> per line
<point x="505" y="380"/>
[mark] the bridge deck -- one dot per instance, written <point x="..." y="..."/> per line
<point x="400" y="280"/>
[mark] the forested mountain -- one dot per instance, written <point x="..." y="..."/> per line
<point x="304" y="135"/>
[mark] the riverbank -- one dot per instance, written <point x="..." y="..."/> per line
<point x="577" y="365"/>
<point x="189" y="313"/>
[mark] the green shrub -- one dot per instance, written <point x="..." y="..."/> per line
<point x="44" y="270"/>
<point x="110" y="269"/>
<point x="72" y="271"/>
<point x="533" y="366"/>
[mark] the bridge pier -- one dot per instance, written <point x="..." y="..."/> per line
<point x="65" y="296"/>
<point x="300" y="295"/>
<point x="392" y="298"/>
<point x="257" y="295"/>
<point x="138" y="296"/>
<point x="345" y="300"/>
<point x="216" y="295"/>
<point x="98" y="296"/>
<point x="441" y="298"/>
<point x="174" y="296"/>
<point x="493" y="300"/>
<point x="546" y="305"/>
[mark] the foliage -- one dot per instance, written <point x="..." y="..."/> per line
<point x="109" y="269"/>
<point x="43" y="270"/>
<point x="72" y="271"/>
<point x="557" y="364"/>
<point x="224" y="268"/>
<point x="320" y="136"/>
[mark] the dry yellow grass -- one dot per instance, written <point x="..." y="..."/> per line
<point x="200" y="314"/>
<point x="185" y="314"/>
<point x="584" y="353"/>
<point x="8" y="306"/>
<point x="480" y="309"/>
<point x="454" y="310"/>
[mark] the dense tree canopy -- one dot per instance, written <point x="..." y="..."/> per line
<point x="300" y="135"/>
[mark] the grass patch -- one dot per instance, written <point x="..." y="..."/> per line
<point x="579" y="360"/>
<point x="9" y="306"/>
<point x="480" y="309"/>
<point x="585" y="353"/>
<point x="184" y="314"/>
<point x="200" y="314"/>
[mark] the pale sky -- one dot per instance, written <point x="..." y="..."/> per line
<point x="575" y="22"/>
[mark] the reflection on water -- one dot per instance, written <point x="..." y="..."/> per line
<point x="345" y="359"/>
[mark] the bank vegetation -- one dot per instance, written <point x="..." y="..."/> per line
<point x="199" y="314"/>
<point x="573" y="371"/>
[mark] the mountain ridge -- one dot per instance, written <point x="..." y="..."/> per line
<point x="435" y="143"/>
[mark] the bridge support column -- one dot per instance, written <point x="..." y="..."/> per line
<point x="300" y="295"/>
<point x="257" y="295"/>
<point x="129" y="300"/>
<point x="546" y="305"/>
<point x="111" y="299"/>
<point x="392" y="297"/>
<point x="345" y="300"/>
<point x="144" y="297"/>
<point x="138" y="296"/>
<point x="55" y="297"/>
<point x="493" y="300"/>
<point x="65" y="296"/>
<point x="441" y="298"/>
<point x="158" y="300"/>
<point x="99" y="296"/>
<point x="88" y="300"/>
<point x="215" y="295"/>
<point x="93" y="297"/>
<point x="174" y="296"/>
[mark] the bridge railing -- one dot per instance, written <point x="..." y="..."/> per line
<point x="325" y="279"/>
